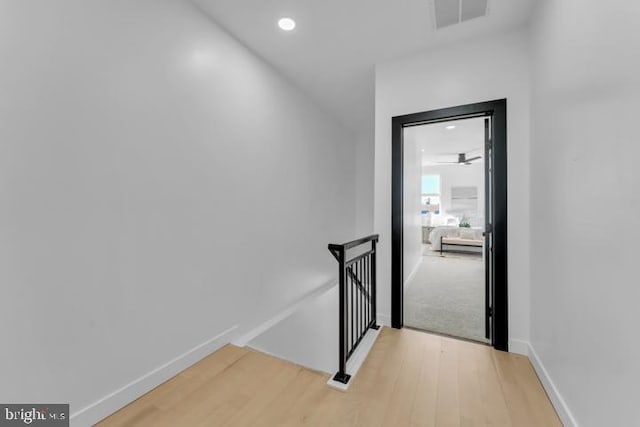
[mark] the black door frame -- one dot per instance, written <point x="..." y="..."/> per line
<point x="497" y="110"/>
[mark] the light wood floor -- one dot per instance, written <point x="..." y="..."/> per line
<point x="409" y="379"/>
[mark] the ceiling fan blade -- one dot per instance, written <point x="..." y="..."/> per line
<point x="473" y="158"/>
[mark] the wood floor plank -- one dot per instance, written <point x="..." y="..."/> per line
<point x="403" y="396"/>
<point x="279" y="409"/>
<point x="183" y="384"/>
<point x="148" y="408"/>
<point x="410" y="378"/>
<point x="472" y="410"/>
<point x="138" y="414"/>
<point x="265" y="394"/>
<point x="310" y="401"/>
<point x="534" y="391"/>
<point x="447" y="406"/>
<point x="382" y="382"/>
<point x="524" y="394"/>
<point x="223" y="395"/>
<point x="491" y="394"/>
<point x="425" y="402"/>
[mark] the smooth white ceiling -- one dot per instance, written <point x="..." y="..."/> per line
<point x="439" y="144"/>
<point x="332" y="52"/>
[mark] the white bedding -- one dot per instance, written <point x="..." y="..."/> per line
<point x="451" y="231"/>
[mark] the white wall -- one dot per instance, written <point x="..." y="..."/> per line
<point x="412" y="205"/>
<point x="475" y="71"/>
<point x="458" y="176"/>
<point x="364" y="183"/>
<point x="136" y="141"/>
<point x="584" y="207"/>
<point x="289" y="338"/>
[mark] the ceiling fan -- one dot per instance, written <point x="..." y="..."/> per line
<point x="463" y="160"/>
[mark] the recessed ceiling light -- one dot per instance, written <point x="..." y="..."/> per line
<point x="286" y="24"/>
<point x="423" y="150"/>
<point x="450" y="127"/>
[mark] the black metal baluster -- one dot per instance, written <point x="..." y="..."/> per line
<point x="358" y="300"/>
<point x="347" y="323"/>
<point x="369" y="287"/>
<point x="361" y="295"/>
<point x="366" y="277"/>
<point x="374" y="297"/>
<point x="349" y="329"/>
<point x="371" y="297"/>
<point x="357" y="309"/>
<point x="366" y="294"/>
<point x="348" y="311"/>
<point x="352" y="312"/>
<point x="354" y="307"/>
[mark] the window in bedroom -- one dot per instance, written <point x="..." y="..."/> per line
<point x="431" y="193"/>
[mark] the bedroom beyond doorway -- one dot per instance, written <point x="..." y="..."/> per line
<point x="444" y="211"/>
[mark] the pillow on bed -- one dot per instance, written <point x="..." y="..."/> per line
<point x="467" y="234"/>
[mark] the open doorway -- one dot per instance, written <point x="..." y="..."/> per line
<point x="449" y="222"/>
<point x="444" y="221"/>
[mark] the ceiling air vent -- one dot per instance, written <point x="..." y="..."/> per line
<point x="451" y="12"/>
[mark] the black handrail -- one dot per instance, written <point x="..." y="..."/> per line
<point x="357" y="288"/>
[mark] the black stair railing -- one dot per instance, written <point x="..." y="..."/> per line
<point x="357" y="288"/>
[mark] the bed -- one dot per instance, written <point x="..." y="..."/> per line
<point x="456" y="238"/>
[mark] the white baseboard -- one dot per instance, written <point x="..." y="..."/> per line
<point x="109" y="404"/>
<point x="383" y="319"/>
<point x="525" y="348"/>
<point x="567" y="418"/>
<point x="519" y="347"/>
<point x="357" y="359"/>
<point x="247" y="337"/>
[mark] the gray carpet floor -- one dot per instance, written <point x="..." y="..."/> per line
<point x="446" y="296"/>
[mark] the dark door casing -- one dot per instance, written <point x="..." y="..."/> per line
<point x="497" y="306"/>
